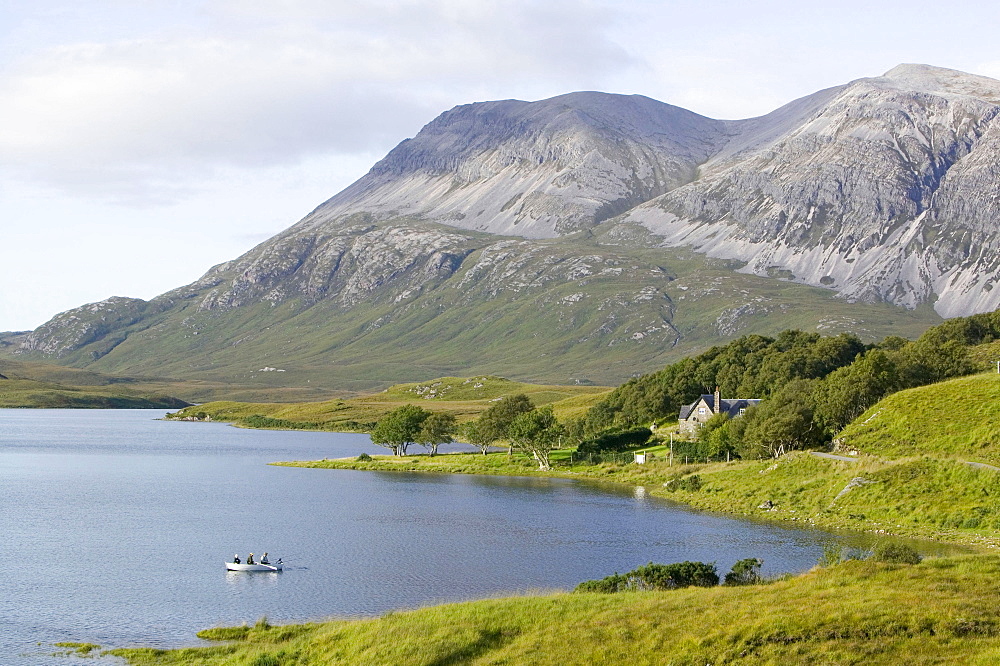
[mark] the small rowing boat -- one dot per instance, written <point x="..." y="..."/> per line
<point x="232" y="566"/>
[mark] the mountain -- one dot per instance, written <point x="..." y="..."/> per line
<point x="884" y="191"/>
<point x="590" y="236"/>
<point x="535" y="169"/>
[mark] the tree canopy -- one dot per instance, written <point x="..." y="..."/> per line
<point x="399" y="428"/>
<point x="437" y="429"/>
<point x="493" y="425"/>
<point x="536" y="432"/>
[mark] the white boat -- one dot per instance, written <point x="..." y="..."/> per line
<point x="274" y="566"/>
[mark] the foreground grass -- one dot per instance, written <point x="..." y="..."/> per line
<point x="941" y="611"/>
<point x="465" y="397"/>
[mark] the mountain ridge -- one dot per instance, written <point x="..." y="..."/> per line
<point x="592" y="221"/>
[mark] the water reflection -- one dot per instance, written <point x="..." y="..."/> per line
<point x="252" y="580"/>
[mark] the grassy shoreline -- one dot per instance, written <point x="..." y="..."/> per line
<point x="898" y="498"/>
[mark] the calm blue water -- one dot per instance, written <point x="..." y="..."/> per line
<point x="115" y="526"/>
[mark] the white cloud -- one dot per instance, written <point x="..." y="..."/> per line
<point x="145" y="115"/>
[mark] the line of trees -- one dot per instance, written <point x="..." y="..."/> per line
<point x="513" y="420"/>
<point x="812" y="385"/>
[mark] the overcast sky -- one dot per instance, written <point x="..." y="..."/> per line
<point x="143" y="141"/>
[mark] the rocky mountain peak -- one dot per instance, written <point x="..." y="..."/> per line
<point x="534" y="169"/>
<point x="939" y="80"/>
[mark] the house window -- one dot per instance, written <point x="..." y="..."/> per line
<point x="701" y="410"/>
<point x="743" y="410"/>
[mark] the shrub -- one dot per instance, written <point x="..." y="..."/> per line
<point x="364" y="457"/>
<point x="616" y="440"/>
<point x="655" y="577"/>
<point x="896" y="553"/>
<point x="263" y="422"/>
<point x="745" y="572"/>
<point x="835" y="553"/>
<point x="691" y="484"/>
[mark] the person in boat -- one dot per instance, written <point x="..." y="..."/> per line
<point x="263" y="560"/>
<point x="250" y="558"/>
<point x="236" y="559"/>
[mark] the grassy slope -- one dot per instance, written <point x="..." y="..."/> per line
<point x="941" y="611"/>
<point x="463" y="397"/>
<point x="956" y="418"/>
<point x="43" y="385"/>
<point x="36" y="384"/>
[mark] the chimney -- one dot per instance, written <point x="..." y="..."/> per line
<point x="718" y="401"/>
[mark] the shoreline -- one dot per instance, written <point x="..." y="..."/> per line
<point x="715" y="490"/>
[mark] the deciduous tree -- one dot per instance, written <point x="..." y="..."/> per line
<point x="494" y="424"/>
<point x="437" y="429"/>
<point x="536" y="432"/>
<point x="399" y="428"/>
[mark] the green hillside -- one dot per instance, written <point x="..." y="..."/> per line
<point x="465" y="397"/>
<point x="36" y="384"/>
<point x="957" y="418"/>
<point x="43" y="385"/>
<point x="554" y="312"/>
<point x="940" y="611"/>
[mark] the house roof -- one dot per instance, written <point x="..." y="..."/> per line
<point x="731" y="407"/>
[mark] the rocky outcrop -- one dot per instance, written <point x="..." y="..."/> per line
<point x="347" y="266"/>
<point x="884" y="192"/>
<point x="85" y="325"/>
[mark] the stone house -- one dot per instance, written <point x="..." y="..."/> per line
<point x="693" y="416"/>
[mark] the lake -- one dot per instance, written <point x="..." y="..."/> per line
<point x="115" y="526"/>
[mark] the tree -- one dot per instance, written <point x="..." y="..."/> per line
<point x="494" y="423"/>
<point x="536" y="432"/>
<point x="477" y="436"/>
<point x="438" y="428"/>
<point x="846" y="393"/>
<point x="714" y="438"/>
<point x="399" y="428"/>
<point x="782" y="423"/>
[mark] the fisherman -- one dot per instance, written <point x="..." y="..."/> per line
<point x="263" y="560"/>
<point x="236" y="559"/>
<point x="250" y="558"/>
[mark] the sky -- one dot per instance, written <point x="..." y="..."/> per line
<point x="144" y="141"/>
